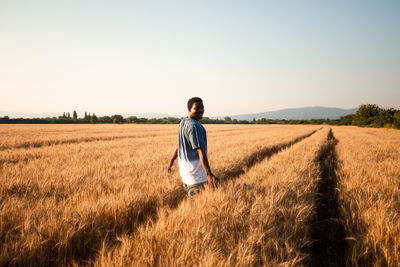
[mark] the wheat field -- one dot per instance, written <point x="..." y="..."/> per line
<point x="289" y="195"/>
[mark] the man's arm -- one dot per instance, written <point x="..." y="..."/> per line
<point x="173" y="159"/>
<point x="204" y="161"/>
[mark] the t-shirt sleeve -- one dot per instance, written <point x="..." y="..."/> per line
<point x="195" y="138"/>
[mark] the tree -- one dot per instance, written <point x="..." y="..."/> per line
<point x="228" y="120"/>
<point x="396" y="120"/>
<point x="385" y="117"/>
<point x="117" y="118"/>
<point x="75" y="115"/>
<point x="105" y="119"/>
<point x="63" y="116"/>
<point x="366" y="115"/>
<point x="346" y="120"/>
<point x="93" y="119"/>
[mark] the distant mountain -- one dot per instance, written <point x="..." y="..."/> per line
<point x="306" y="113"/>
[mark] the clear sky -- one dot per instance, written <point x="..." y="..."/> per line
<point x="114" y="57"/>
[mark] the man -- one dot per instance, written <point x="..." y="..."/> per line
<point x="191" y="152"/>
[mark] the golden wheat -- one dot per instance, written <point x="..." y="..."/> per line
<point x="61" y="204"/>
<point x="100" y="195"/>
<point x="261" y="218"/>
<point x="370" y="194"/>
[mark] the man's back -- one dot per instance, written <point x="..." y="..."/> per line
<point x="191" y="136"/>
<point x="191" y="151"/>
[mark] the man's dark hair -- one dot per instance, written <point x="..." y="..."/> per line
<point x="192" y="101"/>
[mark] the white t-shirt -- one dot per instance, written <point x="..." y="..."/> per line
<point x="191" y="136"/>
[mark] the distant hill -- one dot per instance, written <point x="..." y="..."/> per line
<point x="306" y="113"/>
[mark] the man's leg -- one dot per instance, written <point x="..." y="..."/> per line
<point x="192" y="190"/>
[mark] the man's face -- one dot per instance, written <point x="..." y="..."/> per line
<point x="197" y="111"/>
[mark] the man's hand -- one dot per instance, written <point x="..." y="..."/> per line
<point x="204" y="162"/>
<point x="171" y="163"/>
<point x="213" y="181"/>
<point x="169" y="169"/>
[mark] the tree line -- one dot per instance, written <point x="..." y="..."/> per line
<point x="367" y="115"/>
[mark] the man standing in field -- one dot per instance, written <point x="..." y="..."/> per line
<point x="191" y="151"/>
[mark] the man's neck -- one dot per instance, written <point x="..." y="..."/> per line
<point x="192" y="117"/>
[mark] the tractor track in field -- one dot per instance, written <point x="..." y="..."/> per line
<point x="84" y="243"/>
<point x="24" y="159"/>
<point x="245" y="164"/>
<point x="329" y="247"/>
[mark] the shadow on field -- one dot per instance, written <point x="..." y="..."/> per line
<point x="327" y="228"/>
<point x="80" y="242"/>
<point x="87" y="235"/>
<point x="24" y="159"/>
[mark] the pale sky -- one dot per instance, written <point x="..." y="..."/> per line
<point x="115" y="57"/>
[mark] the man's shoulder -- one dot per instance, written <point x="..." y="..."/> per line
<point x="195" y="124"/>
<point x="190" y="125"/>
<point x="189" y="122"/>
<point x="186" y="124"/>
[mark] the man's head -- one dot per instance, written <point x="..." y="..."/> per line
<point x="196" y="108"/>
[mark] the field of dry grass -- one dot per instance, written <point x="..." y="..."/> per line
<point x="369" y="194"/>
<point x="262" y="217"/>
<point x="289" y="195"/>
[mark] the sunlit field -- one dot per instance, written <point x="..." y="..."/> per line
<point x="289" y="195"/>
